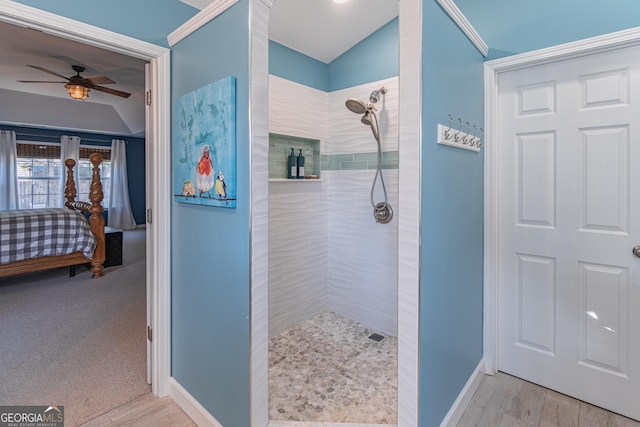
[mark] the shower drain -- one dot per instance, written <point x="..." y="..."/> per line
<point x="376" y="337"/>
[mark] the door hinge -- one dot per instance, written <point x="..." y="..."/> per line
<point x="149" y="216"/>
<point x="149" y="333"/>
<point x="148" y="97"/>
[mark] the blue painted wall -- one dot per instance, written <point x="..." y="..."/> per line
<point x="135" y="160"/>
<point x="148" y="20"/>
<point x="452" y="218"/>
<point x="374" y="58"/>
<point x="210" y="252"/>
<point x="297" y="67"/>
<point x="511" y="27"/>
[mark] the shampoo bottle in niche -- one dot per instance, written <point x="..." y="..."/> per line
<point x="292" y="168"/>
<point x="300" y="164"/>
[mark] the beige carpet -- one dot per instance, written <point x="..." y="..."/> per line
<point x="76" y="341"/>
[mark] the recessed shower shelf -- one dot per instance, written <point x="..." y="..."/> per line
<point x="279" y="149"/>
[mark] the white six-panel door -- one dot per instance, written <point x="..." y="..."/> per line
<point x="569" y="214"/>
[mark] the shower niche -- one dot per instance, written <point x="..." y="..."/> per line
<point x="279" y="150"/>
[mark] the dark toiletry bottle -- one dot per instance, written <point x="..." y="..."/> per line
<point x="292" y="169"/>
<point x="300" y="164"/>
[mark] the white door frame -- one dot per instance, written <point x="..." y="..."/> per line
<point x="159" y="58"/>
<point x="493" y="69"/>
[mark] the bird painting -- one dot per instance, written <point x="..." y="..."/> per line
<point x="204" y="172"/>
<point x="221" y="187"/>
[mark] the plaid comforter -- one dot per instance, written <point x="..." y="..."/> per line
<point x="34" y="233"/>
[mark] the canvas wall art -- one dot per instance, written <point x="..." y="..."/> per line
<point x="205" y="154"/>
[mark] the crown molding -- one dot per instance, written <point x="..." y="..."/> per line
<point x="30" y="17"/>
<point x="610" y="41"/>
<point x="205" y="15"/>
<point x="463" y="23"/>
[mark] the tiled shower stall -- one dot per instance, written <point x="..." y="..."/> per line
<point x="326" y="252"/>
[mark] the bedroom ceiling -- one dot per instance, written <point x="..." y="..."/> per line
<point x="320" y="29"/>
<point x="48" y="104"/>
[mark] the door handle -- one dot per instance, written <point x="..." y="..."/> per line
<point x="636" y="251"/>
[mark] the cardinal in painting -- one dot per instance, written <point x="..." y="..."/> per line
<point x="204" y="173"/>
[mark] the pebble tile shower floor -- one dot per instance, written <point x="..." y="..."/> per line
<point x="328" y="369"/>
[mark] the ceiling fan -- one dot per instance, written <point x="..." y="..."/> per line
<point x="78" y="86"/>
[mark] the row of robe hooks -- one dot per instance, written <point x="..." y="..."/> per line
<point x="456" y="137"/>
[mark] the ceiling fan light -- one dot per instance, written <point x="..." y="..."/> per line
<point x="77" y="91"/>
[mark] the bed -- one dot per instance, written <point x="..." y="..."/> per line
<point x="40" y="239"/>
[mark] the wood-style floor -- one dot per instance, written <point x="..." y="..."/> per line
<point x="500" y="401"/>
<point x="146" y="411"/>
<point x="505" y="401"/>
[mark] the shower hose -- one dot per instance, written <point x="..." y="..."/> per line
<point x="382" y="211"/>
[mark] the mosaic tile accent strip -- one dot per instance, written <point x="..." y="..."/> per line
<point x="358" y="161"/>
<point x="327" y="370"/>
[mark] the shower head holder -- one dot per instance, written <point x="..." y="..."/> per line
<point x="375" y="95"/>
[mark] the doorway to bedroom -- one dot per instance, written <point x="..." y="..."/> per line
<point x="77" y="332"/>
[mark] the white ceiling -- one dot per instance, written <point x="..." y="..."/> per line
<point x="321" y="29"/>
<point x="324" y="29"/>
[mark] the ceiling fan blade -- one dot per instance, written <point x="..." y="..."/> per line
<point x="38" y="81"/>
<point x="111" y="91"/>
<point x="48" y="71"/>
<point x="100" y="80"/>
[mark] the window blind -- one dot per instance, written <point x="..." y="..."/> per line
<point x="39" y="151"/>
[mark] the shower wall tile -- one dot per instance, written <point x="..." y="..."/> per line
<point x="353" y="165"/>
<point x="409" y="215"/>
<point x="259" y="215"/>
<point x="297" y="213"/>
<point x="297" y="110"/>
<point x="297" y="253"/>
<point x="362" y="254"/>
<point x="348" y="135"/>
<point x="365" y="157"/>
<point x="388" y="164"/>
<point x="388" y="156"/>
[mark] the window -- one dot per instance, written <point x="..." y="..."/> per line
<point x="39" y="182"/>
<point x="40" y="171"/>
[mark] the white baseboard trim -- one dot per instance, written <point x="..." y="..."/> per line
<point x="461" y="403"/>
<point x="191" y="406"/>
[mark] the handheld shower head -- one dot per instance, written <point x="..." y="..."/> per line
<point x="371" y="120"/>
<point x="366" y="119"/>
